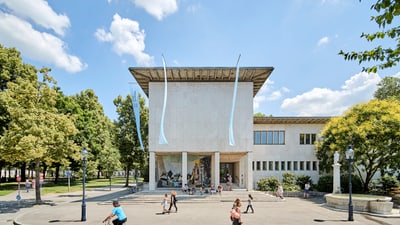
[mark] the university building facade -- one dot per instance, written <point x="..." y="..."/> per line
<point x="196" y="119"/>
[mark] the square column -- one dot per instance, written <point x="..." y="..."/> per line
<point x="152" y="171"/>
<point x="184" y="168"/>
<point x="216" y="169"/>
<point x="249" y="173"/>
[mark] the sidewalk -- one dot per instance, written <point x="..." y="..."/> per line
<point x="144" y="208"/>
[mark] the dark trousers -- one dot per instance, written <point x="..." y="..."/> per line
<point x="119" y="222"/>
<point x="173" y="203"/>
<point x="249" y="207"/>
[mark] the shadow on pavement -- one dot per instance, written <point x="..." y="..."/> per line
<point x="62" y="221"/>
<point x="322" y="220"/>
<point x="14" y="207"/>
<point x="106" y="197"/>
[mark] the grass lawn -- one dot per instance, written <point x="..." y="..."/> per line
<point x="62" y="187"/>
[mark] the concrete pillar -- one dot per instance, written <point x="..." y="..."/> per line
<point x="336" y="174"/>
<point x="216" y="169"/>
<point x="184" y="168"/>
<point x="152" y="171"/>
<point x="249" y="173"/>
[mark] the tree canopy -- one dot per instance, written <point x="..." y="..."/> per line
<point x="127" y="135"/>
<point x="385" y="57"/>
<point x="373" y="131"/>
<point x="35" y="131"/>
<point x="389" y="87"/>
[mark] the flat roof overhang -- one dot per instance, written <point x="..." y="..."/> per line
<point x="145" y="75"/>
<point x="291" y="120"/>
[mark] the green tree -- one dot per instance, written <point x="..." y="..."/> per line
<point x="258" y="114"/>
<point x="373" y="131"/>
<point x="36" y="131"/>
<point x="94" y="127"/>
<point x="386" y="57"/>
<point x="11" y="67"/>
<point x="132" y="157"/>
<point x="389" y="87"/>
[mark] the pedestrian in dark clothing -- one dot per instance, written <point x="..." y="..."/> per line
<point x="173" y="201"/>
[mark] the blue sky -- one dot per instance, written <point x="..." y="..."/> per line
<point x="90" y="44"/>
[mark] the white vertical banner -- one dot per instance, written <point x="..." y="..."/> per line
<point x="136" y="112"/>
<point x="231" y="136"/>
<point x="162" y="139"/>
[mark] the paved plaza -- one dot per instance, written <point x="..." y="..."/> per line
<point x="145" y="208"/>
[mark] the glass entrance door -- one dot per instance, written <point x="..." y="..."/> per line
<point x="225" y="170"/>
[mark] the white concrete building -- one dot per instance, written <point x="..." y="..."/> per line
<point x="196" y="124"/>
<point x="286" y="145"/>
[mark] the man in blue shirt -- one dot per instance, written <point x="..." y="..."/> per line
<point x="119" y="212"/>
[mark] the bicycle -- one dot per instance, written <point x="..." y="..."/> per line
<point x="109" y="222"/>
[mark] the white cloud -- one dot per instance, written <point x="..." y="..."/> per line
<point x="40" y="46"/>
<point x="266" y="94"/>
<point x="40" y="12"/>
<point x="326" y="102"/>
<point x="158" y="8"/>
<point x="323" y="41"/>
<point x="126" y="38"/>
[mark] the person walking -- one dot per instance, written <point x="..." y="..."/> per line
<point x="280" y="191"/>
<point x="164" y="204"/>
<point x="235" y="213"/>
<point x="27" y="185"/>
<point x="249" y="204"/>
<point x="173" y="202"/>
<point x="307" y="190"/>
<point x="117" y="211"/>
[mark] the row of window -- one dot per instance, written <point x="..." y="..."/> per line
<point x="277" y="137"/>
<point x="285" y="165"/>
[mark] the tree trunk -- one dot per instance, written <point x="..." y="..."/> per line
<point x="127" y="176"/>
<point x="57" y="175"/>
<point x="23" y="172"/>
<point x="37" y="181"/>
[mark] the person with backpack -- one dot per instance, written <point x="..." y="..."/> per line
<point x="235" y="213"/>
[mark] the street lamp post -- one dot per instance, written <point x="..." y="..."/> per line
<point x="349" y="157"/>
<point x="84" y="160"/>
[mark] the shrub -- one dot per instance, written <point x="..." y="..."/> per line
<point x="355" y="182"/>
<point x="288" y="178"/>
<point x="388" y="182"/>
<point x="325" y="184"/>
<point x="268" y="184"/>
<point x="301" y="180"/>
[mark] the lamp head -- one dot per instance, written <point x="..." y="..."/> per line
<point x="84" y="153"/>
<point x="349" y="153"/>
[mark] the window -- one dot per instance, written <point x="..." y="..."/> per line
<point x="270" y="165"/>
<point x="283" y="166"/>
<point x="253" y="165"/>
<point x="301" y="165"/>
<point x="314" y="166"/>
<point x="264" y="165"/>
<point x="257" y="137"/>
<point x="258" y="165"/>
<point x="307" y="139"/>
<point x="263" y="137"/>
<point x="295" y="165"/>
<point x="289" y="165"/>
<point x="276" y="165"/>
<point x="308" y="165"/>
<point x="269" y="137"/>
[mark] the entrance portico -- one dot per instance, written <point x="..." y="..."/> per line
<point x="196" y="124"/>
